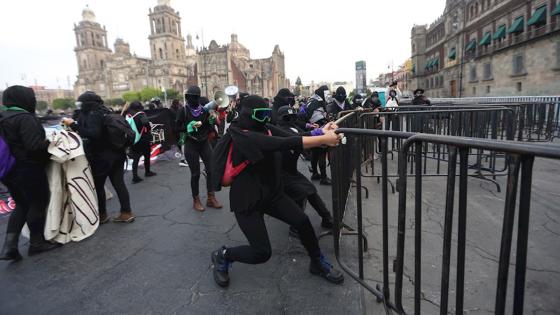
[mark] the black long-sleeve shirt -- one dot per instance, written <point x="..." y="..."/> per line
<point x="25" y="137"/>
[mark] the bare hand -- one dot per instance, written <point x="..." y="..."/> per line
<point x="331" y="126"/>
<point x="198" y="124"/>
<point x="315" y="126"/>
<point x="67" y="121"/>
<point x="331" y="139"/>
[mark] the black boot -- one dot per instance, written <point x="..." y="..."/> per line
<point x="10" y="248"/>
<point x="325" y="181"/>
<point x="136" y="179"/>
<point x="38" y="245"/>
<point x="220" y="266"/>
<point x="321" y="267"/>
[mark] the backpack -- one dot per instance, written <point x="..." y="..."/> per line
<point x="137" y="134"/>
<point x="7" y="160"/>
<point x="119" y="132"/>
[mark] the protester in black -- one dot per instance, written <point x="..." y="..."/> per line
<point x="258" y="189"/>
<point x="339" y="103"/>
<point x="316" y="114"/>
<point x="420" y="98"/>
<point x="142" y="148"/>
<point x="26" y="180"/>
<point x="175" y="108"/>
<point x="296" y="185"/>
<point x="197" y="123"/>
<point x="105" y="160"/>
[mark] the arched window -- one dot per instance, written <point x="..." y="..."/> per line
<point x="472" y="11"/>
<point x="177" y="54"/>
<point x="160" y="53"/>
<point x="102" y="64"/>
<point x="476" y="8"/>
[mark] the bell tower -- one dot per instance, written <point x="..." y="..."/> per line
<point x="91" y="49"/>
<point x="167" y="47"/>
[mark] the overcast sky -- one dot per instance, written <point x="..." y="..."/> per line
<point x="321" y="40"/>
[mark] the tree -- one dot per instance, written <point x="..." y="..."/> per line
<point x="148" y="93"/>
<point x="63" y="103"/>
<point x="42" y="105"/>
<point x="131" y="96"/>
<point x="117" y="101"/>
<point x="172" y="94"/>
<point x="298" y="89"/>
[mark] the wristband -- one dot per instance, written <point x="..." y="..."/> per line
<point x="317" y="132"/>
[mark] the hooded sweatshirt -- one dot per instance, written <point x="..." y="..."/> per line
<point x="21" y="128"/>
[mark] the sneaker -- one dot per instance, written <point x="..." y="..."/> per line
<point x="220" y="266"/>
<point x="136" y="180"/>
<point x="124" y="217"/>
<point x="183" y="163"/>
<point x="103" y="218"/>
<point x="325" y="181"/>
<point x="322" y="267"/>
<point x="150" y="174"/>
<point x="316" y="176"/>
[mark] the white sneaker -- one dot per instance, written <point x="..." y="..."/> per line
<point x="183" y="163"/>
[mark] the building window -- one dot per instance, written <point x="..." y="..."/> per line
<point x="177" y="53"/>
<point x="441" y="81"/>
<point x="472" y="73"/>
<point x="519" y="87"/>
<point x="488" y="89"/>
<point x="518" y="65"/>
<point x="487" y="73"/>
<point x="427" y="84"/>
<point x="102" y="64"/>
<point x="160" y="53"/>
<point x="558" y="54"/>
<point x="474" y="90"/>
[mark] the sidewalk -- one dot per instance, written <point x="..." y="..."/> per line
<point x="160" y="264"/>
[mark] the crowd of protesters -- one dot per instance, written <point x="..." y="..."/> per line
<point x="256" y="155"/>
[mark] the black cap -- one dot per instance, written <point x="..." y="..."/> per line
<point x="193" y="90"/>
<point x="286" y="110"/>
<point x="418" y="91"/>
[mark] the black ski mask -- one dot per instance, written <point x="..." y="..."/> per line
<point x="340" y="94"/>
<point x="254" y="113"/>
<point x="192" y="96"/>
<point x="19" y="96"/>
<point x="90" y="101"/>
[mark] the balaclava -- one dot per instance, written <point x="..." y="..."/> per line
<point x="321" y="91"/>
<point x="245" y="119"/>
<point x="192" y="95"/>
<point x="340" y="94"/>
<point x="90" y="101"/>
<point x="19" y="96"/>
<point x="284" y="97"/>
<point x="287" y="116"/>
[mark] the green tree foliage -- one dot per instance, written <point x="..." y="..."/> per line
<point x="298" y="88"/>
<point x="171" y="94"/>
<point x="42" y="105"/>
<point x="131" y="96"/>
<point x="63" y="103"/>
<point x="148" y="93"/>
<point x="117" y="101"/>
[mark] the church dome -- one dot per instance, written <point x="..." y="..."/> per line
<point x="237" y="49"/>
<point x="88" y="15"/>
<point x="164" y="2"/>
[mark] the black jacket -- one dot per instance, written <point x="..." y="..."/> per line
<point x="185" y="116"/>
<point x="25" y="137"/>
<point x="333" y="109"/>
<point x="256" y="187"/>
<point x="90" y="126"/>
<point x="314" y="105"/>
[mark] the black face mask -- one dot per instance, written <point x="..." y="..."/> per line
<point x="193" y="100"/>
<point x="340" y="98"/>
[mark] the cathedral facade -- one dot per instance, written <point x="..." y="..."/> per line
<point x="174" y="64"/>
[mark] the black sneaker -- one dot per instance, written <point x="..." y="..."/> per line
<point x="327" y="223"/>
<point x="150" y="174"/>
<point x="325" y="181"/>
<point x="136" y="180"/>
<point x="321" y="267"/>
<point x="220" y="266"/>
<point x="316" y="176"/>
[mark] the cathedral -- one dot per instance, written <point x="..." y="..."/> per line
<point x="174" y="64"/>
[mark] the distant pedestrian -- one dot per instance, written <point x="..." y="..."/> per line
<point x="143" y="147"/>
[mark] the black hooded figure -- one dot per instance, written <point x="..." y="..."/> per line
<point x="296" y="185"/>
<point x="258" y="190"/>
<point x="194" y="120"/>
<point x="105" y="160"/>
<point x="26" y="180"/>
<point x="316" y="113"/>
<point x="143" y="146"/>
<point x="339" y="103"/>
<point x="283" y="98"/>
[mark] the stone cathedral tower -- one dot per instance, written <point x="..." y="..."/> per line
<point x="92" y="51"/>
<point x="167" y="47"/>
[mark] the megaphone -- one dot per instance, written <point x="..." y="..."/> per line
<point x="221" y="100"/>
<point x="231" y="90"/>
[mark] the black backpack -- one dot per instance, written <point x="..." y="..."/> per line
<point x="119" y="133"/>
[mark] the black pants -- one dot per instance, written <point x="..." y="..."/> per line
<point x="139" y="150"/>
<point x="319" y="156"/>
<point x="112" y="168"/>
<point x="253" y="226"/>
<point x="29" y="187"/>
<point x="317" y="203"/>
<point x="194" y="151"/>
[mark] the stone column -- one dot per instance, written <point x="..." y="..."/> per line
<point x="152" y="25"/>
<point x="77" y="40"/>
<point x="105" y="39"/>
<point x="179" y="29"/>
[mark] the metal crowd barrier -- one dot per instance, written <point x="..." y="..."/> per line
<point x="346" y="167"/>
